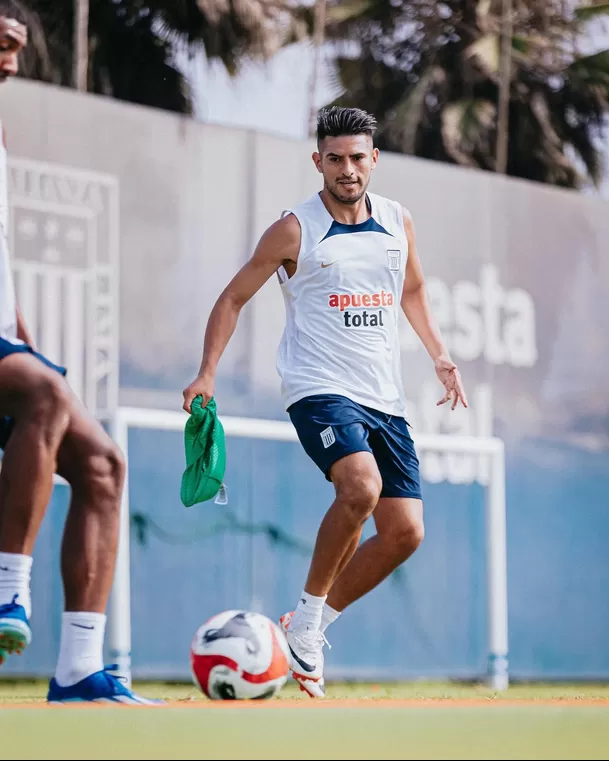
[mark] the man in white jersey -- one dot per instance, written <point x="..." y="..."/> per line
<point x="347" y="263"/>
<point x="43" y="430"/>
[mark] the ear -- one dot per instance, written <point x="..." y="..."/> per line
<point x="317" y="161"/>
<point x="375" y="157"/>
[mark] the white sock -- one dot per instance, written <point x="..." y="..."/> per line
<point x="328" y="617"/>
<point x="15" y="571"/>
<point x="307" y="616"/>
<point x="81" y="648"/>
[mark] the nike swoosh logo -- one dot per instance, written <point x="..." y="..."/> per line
<point x="3" y="568"/>
<point x="329" y="264"/>
<point x="300" y="662"/>
<point x="82" y="626"/>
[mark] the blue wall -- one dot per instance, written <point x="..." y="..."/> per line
<point x="429" y="620"/>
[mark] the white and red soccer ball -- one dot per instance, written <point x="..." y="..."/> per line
<point x="239" y="655"/>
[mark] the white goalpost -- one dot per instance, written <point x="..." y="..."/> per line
<point x="119" y="610"/>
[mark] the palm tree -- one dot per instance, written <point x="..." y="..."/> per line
<point x="132" y="43"/>
<point x="430" y="70"/>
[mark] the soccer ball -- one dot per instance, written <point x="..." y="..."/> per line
<point x="239" y="655"/>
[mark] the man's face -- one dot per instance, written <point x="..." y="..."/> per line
<point x="346" y="163"/>
<point x="13" y="38"/>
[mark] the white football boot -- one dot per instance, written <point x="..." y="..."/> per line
<point x="306" y="657"/>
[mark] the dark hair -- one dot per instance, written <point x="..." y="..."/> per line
<point x="335" y="121"/>
<point x="15" y="10"/>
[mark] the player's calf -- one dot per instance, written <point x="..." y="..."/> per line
<point x="95" y="469"/>
<point x="97" y="472"/>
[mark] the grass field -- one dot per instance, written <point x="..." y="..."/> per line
<point x="359" y="721"/>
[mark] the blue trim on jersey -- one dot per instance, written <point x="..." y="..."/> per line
<point x="369" y="226"/>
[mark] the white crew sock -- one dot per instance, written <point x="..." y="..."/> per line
<point x="328" y="617"/>
<point x="81" y="648"/>
<point x="15" y="571"/>
<point x="307" y="616"/>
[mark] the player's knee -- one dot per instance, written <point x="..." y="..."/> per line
<point x="360" y="494"/>
<point x="49" y="407"/>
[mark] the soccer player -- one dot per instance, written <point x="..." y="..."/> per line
<point x="347" y="262"/>
<point x="44" y="429"/>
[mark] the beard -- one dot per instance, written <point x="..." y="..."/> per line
<point x="335" y="192"/>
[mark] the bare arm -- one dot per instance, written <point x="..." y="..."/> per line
<point x="417" y="308"/>
<point x="23" y="331"/>
<point x="279" y="243"/>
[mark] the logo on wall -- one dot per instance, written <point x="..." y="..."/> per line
<point x="63" y="237"/>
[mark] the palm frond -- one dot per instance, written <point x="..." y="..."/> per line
<point x="132" y="42"/>
<point x="591" y="11"/>
<point x="558" y="98"/>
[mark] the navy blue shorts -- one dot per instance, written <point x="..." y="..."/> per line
<point x="331" y="426"/>
<point x="6" y="348"/>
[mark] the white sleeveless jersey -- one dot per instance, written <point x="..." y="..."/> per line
<point x="8" y="314"/>
<point x="342" y="307"/>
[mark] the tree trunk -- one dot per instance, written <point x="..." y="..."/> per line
<point x="318" y="41"/>
<point x="505" y="78"/>
<point x="81" y="45"/>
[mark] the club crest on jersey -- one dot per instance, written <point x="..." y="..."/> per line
<point x="394" y="256"/>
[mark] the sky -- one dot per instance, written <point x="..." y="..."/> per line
<point x="272" y="97"/>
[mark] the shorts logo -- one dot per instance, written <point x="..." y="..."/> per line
<point x="394" y="256"/>
<point x="327" y="437"/>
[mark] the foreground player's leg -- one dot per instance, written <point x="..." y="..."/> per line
<point x="358" y="484"/>
<point x="399" y="525"/>
<point x="398" y="517"/>
<point x="94" y="467"/>
<point x="38" y="401"/>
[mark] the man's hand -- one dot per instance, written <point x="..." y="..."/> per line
<point x="450" y="378"/>
<point x="202" y="385"/>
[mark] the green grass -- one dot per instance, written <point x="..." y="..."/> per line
<point x="35" y="691"/>
<point x="570" y="728"/>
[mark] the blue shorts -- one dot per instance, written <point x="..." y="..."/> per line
<point x="7" y="348"/>
<point x="331" y="426"/>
